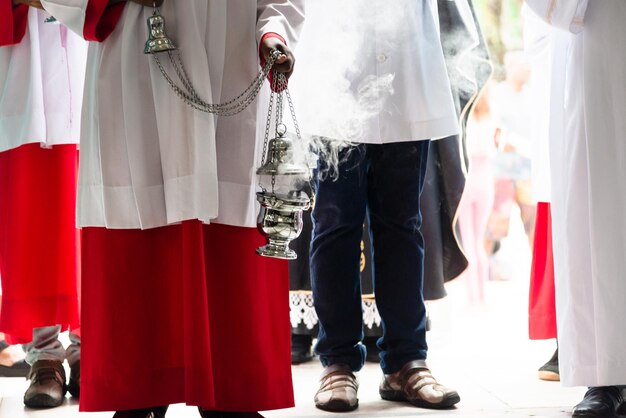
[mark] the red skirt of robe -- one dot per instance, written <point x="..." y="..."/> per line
<point x="183" y="314"/>
<point x="542" y="309"/>
<point x="39" y="242"/>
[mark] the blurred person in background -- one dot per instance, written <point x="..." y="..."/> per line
<point x="477" y="201"/>
<point x="511" y="107"/>
<point x="42" y="69"/>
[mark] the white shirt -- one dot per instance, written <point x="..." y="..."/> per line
<point x="373" y="72"/>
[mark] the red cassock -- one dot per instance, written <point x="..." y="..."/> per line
<point x="182" y="312"/>
<point x="39" y="242"/>
<point x="542" y="309"/>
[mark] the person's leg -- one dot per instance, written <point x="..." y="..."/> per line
<point x="45" y="345"/>
<point x="481" y="216"/>
<point x="338" y="217"/>
<point x="45" y="354"/>
<point x="72" y="353"/>
<point x="467" y="224"/>
<point x="335" y="253"/>
<point x="483" y="204"/>
<point x="528" y="209"/>
<point x="396" y="177"/>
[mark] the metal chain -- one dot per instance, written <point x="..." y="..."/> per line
<point x="293" y="114"/>
<point x="189" y="95"/>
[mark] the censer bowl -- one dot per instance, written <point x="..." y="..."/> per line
<point x="280" y="222"/>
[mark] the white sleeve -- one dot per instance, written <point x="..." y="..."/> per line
<point x="282" y="17"/>
<point x="563" y="14"/>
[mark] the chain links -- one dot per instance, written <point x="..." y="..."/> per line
<point x="191" y="97"/>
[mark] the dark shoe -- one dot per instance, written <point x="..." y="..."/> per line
<point x="416" y="385"/>
<point x="47" y="385"/>
<point x="338" y="389"/>
<point x="74" y="384"/>
<point x="17" y="369"/>
<point x="373" y="352"/>
<point x="156" y="412"/>
<point x="599" y="402"/>
<point x="301" y="349"/>
<point x="550" y="370"/>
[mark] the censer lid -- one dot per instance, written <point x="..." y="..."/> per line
<point x="281" y="158"/>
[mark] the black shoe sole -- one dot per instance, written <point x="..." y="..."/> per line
<point x="19" y="369"/>
<point x="398" y="396"/>
<point x="337" y="406"/>
<point x="592" y="415"/>
<point x="43" y="401"/>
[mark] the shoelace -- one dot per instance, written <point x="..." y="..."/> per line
<point x="48" y="373"/>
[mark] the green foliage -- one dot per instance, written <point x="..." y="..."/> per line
<point x="501" y="22"/>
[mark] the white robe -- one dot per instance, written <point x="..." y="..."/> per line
<point x="41" y="85"/>
<point x="588" y="167"/>
<point x="149" y="160"/>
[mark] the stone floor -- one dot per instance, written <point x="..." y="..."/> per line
<point x="482" y="351"/>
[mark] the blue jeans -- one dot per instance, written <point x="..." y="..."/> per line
<point x="383" y="182"/>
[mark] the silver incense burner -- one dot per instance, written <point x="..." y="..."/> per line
<point x="280" y="215"/>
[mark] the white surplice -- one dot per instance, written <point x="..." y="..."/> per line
<point x="588" y="169"/>
<point x="41" y="85"/>
<point x="148" y="159"/>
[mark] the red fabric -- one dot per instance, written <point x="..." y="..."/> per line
<point x="183" y="313"/>
<point x="542" y="309"/>
<point x="263" y="60"/>
<point x="101" y="19"/>
<point x="38" y="239"/>
<point x="13" y="22"/>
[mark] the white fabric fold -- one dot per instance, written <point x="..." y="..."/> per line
<point x="41" y="80"/>
<point x="563" y="14"/>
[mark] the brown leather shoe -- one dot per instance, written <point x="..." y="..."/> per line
<point x="338" y="389"/>
<point x="47" y="385"/>
<point x="155" y="412"/>
<point x="415" y="384"/>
